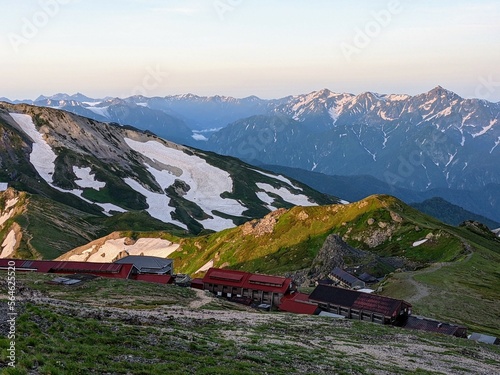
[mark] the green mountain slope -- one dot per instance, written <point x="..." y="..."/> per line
<point x="288" y="240"/>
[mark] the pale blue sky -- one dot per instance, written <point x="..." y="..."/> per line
<point x="267" y="48"/>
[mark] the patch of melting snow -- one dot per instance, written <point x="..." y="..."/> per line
<point x="42" y="156"/>
<point x="266" y="198"/>
<point x="7" y="213"/>
<point x="143" y="246"/>
<point x="8" y="244"/>
<point x="102" y="111"/>
<point x="485" y="129"/>
<point x="286" y="195"/>
<point x="87" y="180"/>
<point x="207" y="183"/>
<point x="206" y="266"/>
<point x="158" y="203"/>
<point x="418" y="243"/>
<point x="277" y="177"/>
<point x="497" y="142"/>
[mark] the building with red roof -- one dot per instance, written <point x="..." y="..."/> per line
<point x="149" y="269"/>
<point x="430" y="325"/>
<point x="298" y="303"/>
<point x="260" y="288"/>
<point x="358" y="305"/>
<point x="113" y="270"/>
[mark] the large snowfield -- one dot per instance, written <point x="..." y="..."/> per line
<point x="43" y="158"/>
<point x="110" y="250"/>
<point x="206" y="182"/>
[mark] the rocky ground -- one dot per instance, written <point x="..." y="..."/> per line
<point x="372" y="348"/>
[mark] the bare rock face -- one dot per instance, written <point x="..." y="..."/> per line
<point x="333" y="254"/>
<point x="262" y="226"/>
<point x="129" y="241"/>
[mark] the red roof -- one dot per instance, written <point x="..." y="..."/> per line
<point x="430" y="325"/>
<point x="371" y="302"/>
<point x="150" y="278"/>
<point x="298" y="303"/>
<point x="113" y="270"/>
<point x="389" y="307"/>
<point x="241" y="279"/>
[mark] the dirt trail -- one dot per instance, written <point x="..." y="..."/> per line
<point x="422" y="291"/>
<point x="202" y="300"/>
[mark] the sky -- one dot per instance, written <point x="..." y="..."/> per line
<point x="267" y="48"/>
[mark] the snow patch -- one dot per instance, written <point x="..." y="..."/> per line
<point x="87" y="180"/>
<point x="110" y="250"/>
<point x="338" y="108"/>
<point x="91" y="104"/>
<point x="278" y="177"/>
<point x="142" y="104"/>
<point x="485" y="129"/>
<point x="444" y="112"/>
<point x="199" y="137"/>
<point x="8" y="244"/>
<point x="451" y="157"/>
<point x="344" y="202"/>
<point x="285" y="194"/>
<point x="497" y="142"/>
<point x="384" y="116"/>
<point x="266" y="198"/>
<point x="158" y="203"/>
<point x="101" y="111"/>
<point x="7" y="212"/>
<point x="206" y="182"/>
<point x="206" y="266"/>
<point x="42" y="157"/>
<point x="418" y="243"/>
<point x="427" y="105"/>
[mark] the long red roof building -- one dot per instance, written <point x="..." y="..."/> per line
<point x="260" y="288"/>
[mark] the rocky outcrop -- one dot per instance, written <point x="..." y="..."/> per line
<point x="262" y="226"/>
<point x="334" y="253"/>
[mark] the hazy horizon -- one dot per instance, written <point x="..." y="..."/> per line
<point x="239" y="48"/>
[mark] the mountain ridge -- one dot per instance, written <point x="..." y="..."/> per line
<point x="104" y="169"/>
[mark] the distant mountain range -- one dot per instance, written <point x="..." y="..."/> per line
<point x="432" y="143"/>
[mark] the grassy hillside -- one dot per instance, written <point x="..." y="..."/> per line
<point x="124" y="327"/>
<point x="464" y="291"/>
<point x="289" y="240"/>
